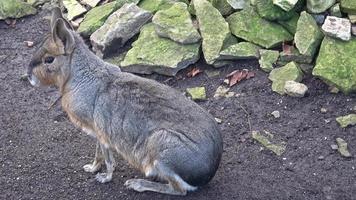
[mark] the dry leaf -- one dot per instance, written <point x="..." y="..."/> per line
<point x="237" y="76"/>
<point x="287" y="49"/>
<point x="195" y="71"/>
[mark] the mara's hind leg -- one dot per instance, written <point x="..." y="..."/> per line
<point x="175" y="186"/>
<point x="98" y="161"/>
<point x="109" y="163"/>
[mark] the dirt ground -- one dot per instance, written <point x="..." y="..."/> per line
<point x="42" y="153"/>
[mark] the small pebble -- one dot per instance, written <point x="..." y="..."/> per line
<point x="321" y="158"/>
<point x="219" y="121"/>
<point x="276" y="114"/>
<point x="323" y="110"/>
<point x="334" y="146"/>
<point x="29" y="43"/>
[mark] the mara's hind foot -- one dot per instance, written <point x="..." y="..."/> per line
<point x="142" y="185"/>
<point x="175" y="184"/>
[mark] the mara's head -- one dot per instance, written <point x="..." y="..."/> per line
<point x="52" y="58"/>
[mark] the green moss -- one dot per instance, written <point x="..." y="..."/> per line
<point x="279" y="76"/>
<point x="268" y="141"/>
<point x="348" y="6"/>
<point x="197" y="93"/>
<point x="266" y="9"/>
<point x="268" y="59"/>
<point x="161" y="55"/>
<point x="248" y="25"/>
<point x="348" y="120"/>
<point x="15" y="9"/>
<point x="336" y="64"/>
<point x="95" y="18"/>
<point x="213" y="28"/>
<point x="242" y="50"/>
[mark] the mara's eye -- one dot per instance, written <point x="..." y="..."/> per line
<point x="49" y="59"/>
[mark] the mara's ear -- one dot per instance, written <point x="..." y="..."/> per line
<point x="57" y="14"/>
<point x="61" y="34"/>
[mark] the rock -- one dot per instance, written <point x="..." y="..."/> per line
<point x="335" y="10"/>
<point x="197" y="93"/>
<point x="237" y="4"/>
<point x="267" y="10"/>
<point x="36" y="3"/>
<point x="74" y="8"/>
<point x="352" y="19"/>
<point x="336" y="64"/>
<point x="291" y="24"/>
<point x="353" y="30"/>
<point x="334" y="147"/>
<point x="242" y="50"/>
<point x="151" y="53"/>
<point x="267" y="59"/>
<point x="276" y="114"/>
<point x="295" y="89"/>
<point x="218" y="120"/>
<point x="308" y="35"/>
<point x="119" y="28"/>
<point x="323" y="110"/>
<point x="223" y="91"/>
<point x="342" y="147"/>
<point x="337" y="27"/>
<point x="279" y="76"/>
<point x="213" y="28"/>
<point x="348" y="6"/>
<point x="293" y="55"/>
<point x="15" y="9"/>
<point x="175" y="23"/>
<point x="248" y="25"/>
<point x="155" y="5"/>
<point x="319" y="18"/>
<point x="222" y="5"/>
<point x="269" y="141"/>
<point x="347" y="120"/>
<point x="286" y="5"/>
<point x="95" y="18"/>
<point x="319" y="6"/>
<point x="75" y="23"/>
<point x="91" y="3"/>
<point x="306" y="68"/>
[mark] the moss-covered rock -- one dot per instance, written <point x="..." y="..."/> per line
<point x="308" y="35"/>
<point x="348" y="6"/>
<point x="294" y="55"/>
<point x="267" y="59"/>
<point x="95" y="18"/>
<point x="291" y="24"/>
<point x="286" y="5"/>
<point x="348" y="120"/>
<point x="248" y="25"/>
<point x="155" y="5"/>
<point x="213" y="28"/>
<point x="342" y="147"/>
<point x="336" y="64"/>
<point x="319" y="6"/>
<point x="269" y="141"/>
<point x="175" y="23"/>
<point x="151" y="53"/>
<point x="266" y="9"/>
<point x="197" y="93"/>
<point x="279" y="76"/>
<point x="74" y="8"/>
<point x="242" y="50"/>
<point x="15" y="9"/>
<point x="335" y="10"/>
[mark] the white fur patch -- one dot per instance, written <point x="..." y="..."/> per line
<point x="34" y="81"/>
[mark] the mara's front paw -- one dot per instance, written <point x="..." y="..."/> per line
<point x="91" y="168"/>
<point x="103" y="177"/>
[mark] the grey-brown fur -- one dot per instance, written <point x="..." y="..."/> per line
<point x="152" y="126"/>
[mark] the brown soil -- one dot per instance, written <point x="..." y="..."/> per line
<point x="42" y="153"/>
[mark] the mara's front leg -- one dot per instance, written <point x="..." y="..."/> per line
<point x="98" y="160"/>
<point x="109" y="162"/>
